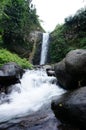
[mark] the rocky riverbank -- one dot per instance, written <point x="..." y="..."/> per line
<point x="10" y="74"/>
<point x="44" y="119"/>
<point x="71" y="71"/>
<point x="68" y="111"/>
<point x="71" y="75"/>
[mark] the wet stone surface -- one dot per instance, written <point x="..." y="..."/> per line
<point x="42" y="120"/>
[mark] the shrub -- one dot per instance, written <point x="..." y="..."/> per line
<point x="6" y="56"/>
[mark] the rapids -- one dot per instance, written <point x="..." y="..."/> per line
<point x="36" y="89"/>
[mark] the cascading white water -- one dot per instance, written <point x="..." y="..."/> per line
<point x="36" y="90"/>
<point x="44" y="49"/>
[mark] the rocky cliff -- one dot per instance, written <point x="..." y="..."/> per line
<point x="35" y="38"/>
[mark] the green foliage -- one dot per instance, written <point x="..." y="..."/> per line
<point x="83" y="43"/>
<point x="6" y="56"/>
<point x="58" y="46"/>
<point x="69" y="36"/>
<point x="13" y="21"/>
<point x="17" y="19"/>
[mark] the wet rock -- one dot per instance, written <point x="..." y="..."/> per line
<point x="50" y="72"/>
<point x="71" y="107"/>
<point x="10" y="73"/>
<point x="12" y="69"/>
<point x="49" y="69"/>
<point x="4" y="98"/>
<point x="43" y="119"/>
<point x="71" y="71"/>
<point x="76" y="62"/>
<point x="65" y="80"/>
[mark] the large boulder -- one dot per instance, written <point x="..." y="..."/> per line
<point x="10" y="73"/>
<point x="71" y="71"/>
<point x="65" y="80"/>
<point x="71" y="108"/>
<point x="76" y="62"/>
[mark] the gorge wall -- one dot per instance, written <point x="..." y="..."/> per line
<point x="35" y="38"/>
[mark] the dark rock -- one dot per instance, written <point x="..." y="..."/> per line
<point x="76" y="62"/>
<point x="12" y="69"/>
<point x="10" y="73"/>
<point x="6" y="81"/>
<point x="71" y="71"/>
<point x="49" y="69"/>
<point x="50" y="72"/>
<point x="43" y="119"/>
<point x="65" y="80"/>
<point x="71" y="107"/>
<point x="4" y="98"/>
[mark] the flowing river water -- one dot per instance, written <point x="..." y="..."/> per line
<point x="35" y="90"/>
<point x="30" y="101"/>
<point x="28" y="104"/>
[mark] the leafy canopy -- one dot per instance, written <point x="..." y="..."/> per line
<point x="68" y="36"/>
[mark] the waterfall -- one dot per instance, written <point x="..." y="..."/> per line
<point x="36" y="89"/>
<point x="44" y="49"/>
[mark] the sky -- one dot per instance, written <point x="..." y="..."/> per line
<point x="53" y="12"/>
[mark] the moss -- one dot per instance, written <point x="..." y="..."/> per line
<point x="6" y="56"/>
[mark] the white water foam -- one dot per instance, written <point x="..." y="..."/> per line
<point x="36" y="90"/>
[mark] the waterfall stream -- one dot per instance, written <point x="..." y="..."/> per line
<point x="44" y="49"/>
<point x="35" y="90"/>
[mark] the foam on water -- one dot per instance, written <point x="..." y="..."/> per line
<point x="36" y="90"/>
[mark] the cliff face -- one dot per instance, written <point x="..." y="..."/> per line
<point x="31" y="49"/>
<point x="35" y="38"/>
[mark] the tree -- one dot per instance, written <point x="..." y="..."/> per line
<point x="17" y="20"/>
<point x="13" y="21"/>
